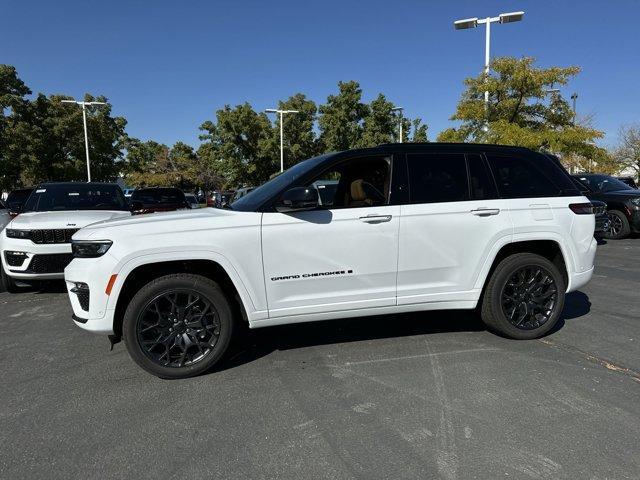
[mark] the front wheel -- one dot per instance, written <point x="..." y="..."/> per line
<point x="178" y="326"/>
<point x="524" y="297"/>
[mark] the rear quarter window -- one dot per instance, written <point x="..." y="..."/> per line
<point x="522" y="177"/>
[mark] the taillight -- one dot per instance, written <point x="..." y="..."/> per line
<point x="582" y="208"/>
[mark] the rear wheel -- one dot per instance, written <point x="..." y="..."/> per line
<point x="618" y="225"/>
<point x="178" y="326"/>
<point x="524" y="297"/>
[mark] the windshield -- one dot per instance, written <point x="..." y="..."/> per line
<point x="17" y="197"/>
<point x="158" y="196"/>
<point x="76" y="196"/>
<point x="604" y="183"/>
<point x="254" y="199"/>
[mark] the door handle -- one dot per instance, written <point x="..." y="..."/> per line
<point x="485" y="212"/>
<point x="376" y="218"/>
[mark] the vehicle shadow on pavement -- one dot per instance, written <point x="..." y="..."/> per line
<point x="252" y="345"/>
<point x="576" y="305"/>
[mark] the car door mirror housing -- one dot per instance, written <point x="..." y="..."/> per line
<point x="298" y="199"/>
<point x="136" y="206"/>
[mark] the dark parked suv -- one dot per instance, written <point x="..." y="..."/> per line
<point x="623" y="203"/>
<point x="157" y="199"/>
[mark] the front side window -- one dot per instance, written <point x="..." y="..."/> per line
<point x="360" y="182"/>
<point x="518" y="177"/>
<point x="437" y="177"/>
<point x="158" y="196"/>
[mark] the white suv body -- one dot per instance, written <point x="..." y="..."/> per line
<point x="36" y="245"/>
<point x="413" y="227"/>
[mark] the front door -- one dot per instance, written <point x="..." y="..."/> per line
<point x="341" y="256"/>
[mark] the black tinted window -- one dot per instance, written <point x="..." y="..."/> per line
<point x="75" y="196"/>
<point x="437" y="178"/>
<point x="480" y="180"/>
<point x="519" y="177"/>
<point x="158" y="196"/>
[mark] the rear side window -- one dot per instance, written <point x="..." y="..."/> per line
<point x="480" y="179"/>
<point x="437" y="177"/>
<point x="519" y="177"/>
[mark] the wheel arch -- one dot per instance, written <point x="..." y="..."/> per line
<point x="143" y="272"/>
<point x="547" y="248"/>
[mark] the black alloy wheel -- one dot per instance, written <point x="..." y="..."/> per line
<point x="529" y="297"/>
<point x="524" y="296"/>
<point x="178" y="325"/>
<point x="178" y="328"/>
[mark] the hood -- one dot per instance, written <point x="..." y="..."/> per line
<point x="162" y="217"/>
<point x="64" y="219"/>
<point x="631" y="193"/>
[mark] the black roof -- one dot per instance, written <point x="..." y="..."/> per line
<point x="408" y="147"/>
<point x="44" y="184"/>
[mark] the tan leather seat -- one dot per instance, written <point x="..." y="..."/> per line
<point x="358" y="195"/>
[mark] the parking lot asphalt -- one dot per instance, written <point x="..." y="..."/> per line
<point x="429" y="395"/>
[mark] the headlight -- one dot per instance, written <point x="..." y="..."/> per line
<point x="636" y="201"/>
<point x="12" y="233"/>
<point x="90" y="248"/>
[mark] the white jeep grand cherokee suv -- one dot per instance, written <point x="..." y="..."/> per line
<point x="36" y="245"/>
<point x="407" y="228"/>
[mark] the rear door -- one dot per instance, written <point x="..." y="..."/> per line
<point x="452" y="221"/>
<point x="341" y="256"/>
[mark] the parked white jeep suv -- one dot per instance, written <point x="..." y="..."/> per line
<point x="408" y="228"/>
<point x="36" y="245"/>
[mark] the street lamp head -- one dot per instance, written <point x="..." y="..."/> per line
<point x="271" y="110"/>
<point x="511" y="17"/>
<point x="397" y="109"/>
<point x="466" y="23"/>
<point x="291" y="111"/>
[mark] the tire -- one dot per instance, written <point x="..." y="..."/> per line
<point x="154" y="303"/>
<point x="504" y="294"/>
<point x="7" y="284"/>
<point x="618" y="225"/>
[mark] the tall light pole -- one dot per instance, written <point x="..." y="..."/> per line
<point x="282" y="114"/>
<point x="574" y="97"/>
<point x="399" y="109"/>
<point x="86" y="135"/>
<point x="474" y="22"/>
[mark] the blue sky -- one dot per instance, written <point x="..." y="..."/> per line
<point x="169" y="65"/>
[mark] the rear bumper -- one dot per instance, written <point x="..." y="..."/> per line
<point x="579" y="280"/>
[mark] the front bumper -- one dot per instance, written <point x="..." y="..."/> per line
<point x="86" y="280"/>
<point x="25" y="260"/>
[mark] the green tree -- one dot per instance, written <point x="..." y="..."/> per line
<point x="380" y="125"/>
<point x="238" y="146"/>
<point x="521" y="111"/>
<point x="300" y="141"/>
<point x="419" y="131"/>
<point x="342" y="117"/>
<point x="627" y="153"/>
<point x="13" y="101"/>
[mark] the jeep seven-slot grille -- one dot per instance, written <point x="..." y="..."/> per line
<point x="57" y="235"/>
<point x="50" y="263"/>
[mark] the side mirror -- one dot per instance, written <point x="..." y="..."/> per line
<point x="136" y="206"/>
<point x="298" y="199"/>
